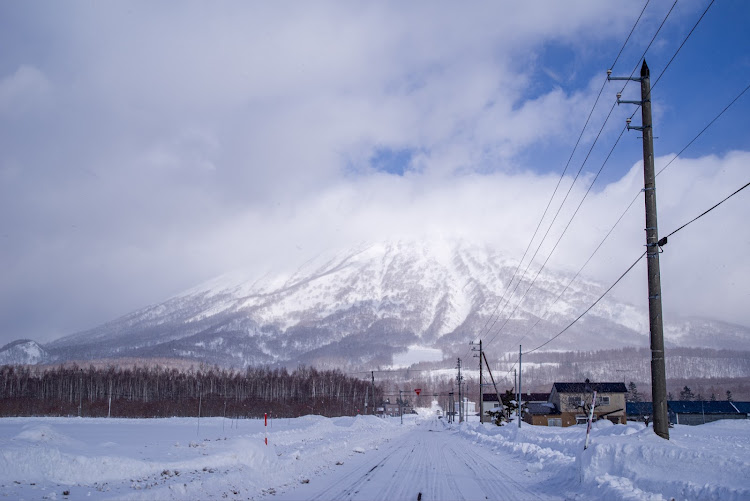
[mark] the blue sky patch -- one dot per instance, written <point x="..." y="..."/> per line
<point x="391" y="161"/>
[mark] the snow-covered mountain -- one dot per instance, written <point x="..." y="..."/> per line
<point x="23" y="352"/>
<point x="365" y="305"/>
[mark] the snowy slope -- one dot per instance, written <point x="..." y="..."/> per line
<point x="23" y="351"/>
<point x="365" y="305"/>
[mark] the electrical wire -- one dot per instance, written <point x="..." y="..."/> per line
<point x="549" y="255"/>
<point x="575" y="147"/>
<point x="589" y="308"/>
<point x="482" y="332"/>
<point x="704" y="129"/>
<point x="591" y="185"/>
<point x="629" y="35"/>
<point x="674" y="55"/>
<point x="636" y="197"/>
<point x="706" y="211"/>
<point x="643" y="56"/>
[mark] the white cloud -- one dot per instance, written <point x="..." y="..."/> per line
<point x="181" y="143"/>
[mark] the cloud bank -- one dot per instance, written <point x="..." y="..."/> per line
<point x="147" y="148"/>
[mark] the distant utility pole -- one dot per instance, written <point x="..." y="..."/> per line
<point x="519" y="386"/>
<point x="80" y="391"/>
<point x="372" y="373"/>
<point x="653" y="247"/>
<point x="451" y="407"/>
<point x="459" y="378"/>
<point x="481" y="413"/>
<point x="401" y="405"/>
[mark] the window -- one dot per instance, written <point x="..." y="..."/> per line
<point x="574" y="401"/>
<point x="554" y="421"/>
<point x="602" y="400"/>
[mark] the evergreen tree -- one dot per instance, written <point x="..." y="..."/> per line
<point x="687" y="394"/>
<point x="713" y="397"/>
<point x="633" y="394"/>
<point x="729" y="396"/>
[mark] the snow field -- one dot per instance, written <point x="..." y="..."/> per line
<point x="44" y="458"/>
<point x="40" y="458"/>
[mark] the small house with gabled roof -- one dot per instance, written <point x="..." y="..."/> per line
<point x="573" y="401"/>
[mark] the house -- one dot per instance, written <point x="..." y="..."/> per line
<point x="542" y="414"/>
<point x="572" y="403"/>
<point x="692" y="412"/>
<point x="469" y="408"/>
<point x="490" y="402"/>
<point x="393" y="410"/>
<point x="534" y="398"/>
<point x="743" y="408"/>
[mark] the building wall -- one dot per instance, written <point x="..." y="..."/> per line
<point x="695" y="419"/>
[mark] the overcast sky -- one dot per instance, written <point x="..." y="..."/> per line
<point x="148" y="146"/>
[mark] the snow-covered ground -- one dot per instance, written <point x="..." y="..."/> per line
<point x="366" y="458"/>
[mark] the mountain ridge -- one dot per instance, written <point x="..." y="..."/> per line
<point x="363" y="305"/>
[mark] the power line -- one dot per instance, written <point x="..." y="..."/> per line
<point x="549" y="203"/>
<point x="704" y="129"/>
<point x="633" y="201"/>
<point x="661" y="74"/>
<point x="664" y="239"/>
<point x="674" y="55"/>
<point x="574" y="180"/>
<point x="629" y="35"/>
<point x="589" y="308"/>
<point x="649" y="45"/>
<point x="570" y="221"/>
<point x="560" y="238"/>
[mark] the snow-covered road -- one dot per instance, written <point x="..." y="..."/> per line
<point x="430" y="462"/>
<point x="365" y="457"/>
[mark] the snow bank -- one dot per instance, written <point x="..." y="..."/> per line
<point x="176" y="458"/>
<point x="710" y="461"/>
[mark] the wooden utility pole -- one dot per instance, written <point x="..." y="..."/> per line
<point x="460" y="401"/>
<point x="497" y="392"/>
<point x="658" y="367"/>
<point x="372" y="385"/>
<point x="519" y="386"/>
<point x="481" y="392"/>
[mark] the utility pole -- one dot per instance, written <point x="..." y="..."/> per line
<point x="460" y="401"/>
<point x="372" y="385"/>
<point x="653" y="247"/>
<point x="451" y="407"/>
<point x="497" y="392"/>
<point x="481" y="392"/>
<point x="481" y="409"/>
<point x="401" y="405"/>
<point x="80" y="391"/>
<point x="519" y="386"/>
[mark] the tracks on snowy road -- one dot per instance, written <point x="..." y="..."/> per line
<point x="431" y="460"/>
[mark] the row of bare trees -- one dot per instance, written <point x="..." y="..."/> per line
<point x="160" y="392"/>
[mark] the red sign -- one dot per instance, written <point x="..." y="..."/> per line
<point x="418" y="390"/>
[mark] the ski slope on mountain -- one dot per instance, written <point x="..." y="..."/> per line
<point x="366" y="457"/>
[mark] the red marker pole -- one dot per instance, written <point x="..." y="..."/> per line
<point x="265" y="419"/>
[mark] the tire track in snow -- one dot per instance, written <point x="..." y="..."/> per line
<point x="431" y="460"/>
